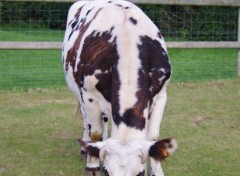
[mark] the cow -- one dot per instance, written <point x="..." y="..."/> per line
<point x="116" y="63"/>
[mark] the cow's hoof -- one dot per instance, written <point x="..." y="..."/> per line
<point x="83" y="155"/>
<point x="105" y="172"/>
<point x="93" y="171"/>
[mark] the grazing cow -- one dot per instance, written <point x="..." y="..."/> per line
<point x="116" y="63"/>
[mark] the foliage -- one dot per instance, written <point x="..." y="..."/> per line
<point x="195" y="22"/>
<point x="52" y="15"/>
<point x="185" y="22"/>
<point x="218" y="23"/>
<point x="0" y="11"/>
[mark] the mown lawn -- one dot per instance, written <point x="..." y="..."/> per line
<point x="39" y="130"/>
<point x="42" y="68"/>
<point x="29" y="32"/>
<point x="23" y="69"/>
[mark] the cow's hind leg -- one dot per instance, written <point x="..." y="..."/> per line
<point x="80" y="112"/>
<point x="93" y="131"/>
<point x="157" y="110"/>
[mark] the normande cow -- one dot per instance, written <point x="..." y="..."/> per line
<point x="116" y="63"/>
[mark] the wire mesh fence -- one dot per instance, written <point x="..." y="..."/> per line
<point x="31" y="69"/>
<point x="33" y="21"/>
<point x="193" y="23"/>
<point x="45" y="21"/>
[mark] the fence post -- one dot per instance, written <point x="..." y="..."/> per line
<point x="238" y="65"/>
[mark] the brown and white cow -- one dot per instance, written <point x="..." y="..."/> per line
<point x="116" y="63"/>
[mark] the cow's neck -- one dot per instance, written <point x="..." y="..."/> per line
<point x="126" y="133"/>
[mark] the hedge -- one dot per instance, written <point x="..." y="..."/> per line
<point x="182" y="22"/>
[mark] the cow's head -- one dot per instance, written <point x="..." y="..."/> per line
<point x="129" y="158"/>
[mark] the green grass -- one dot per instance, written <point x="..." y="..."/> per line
<point x="39" y="130"/>
<point x="205" y="119"/>
<point x="29" y="32"/>
<point x="203" y="64"/>
<point x="30" y="69"/>
<point x="23" y="69"/>
<point x="38" y="134"/>
<point x="42" y="68"/>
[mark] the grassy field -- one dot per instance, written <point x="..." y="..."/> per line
<point x="29" y="32"/>
<point x="39" y="131"/>
<point x="42" y="68"/>
<point x="23" y="69"/>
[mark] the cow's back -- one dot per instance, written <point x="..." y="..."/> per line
<point x="116" y="55"/>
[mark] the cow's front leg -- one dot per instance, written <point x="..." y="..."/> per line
<point x="92" y="167"/>
<point x="157" y="110"/>
<point x="93" y="131"/>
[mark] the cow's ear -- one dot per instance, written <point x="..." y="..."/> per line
<point x="160" y="150"/>
<point x="92" y="148"/>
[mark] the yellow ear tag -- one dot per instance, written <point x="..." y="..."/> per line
<point x="164" y="152"/>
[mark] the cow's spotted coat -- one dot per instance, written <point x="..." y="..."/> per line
<point x="116" y="63"/>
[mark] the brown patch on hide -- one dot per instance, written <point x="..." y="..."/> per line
<point x="134" y="117"/>
<point x="133" y="21"/>
<point x="98" y="53"/>
<point x="76" y="16"/>
<point x="155" y="57"/>
<point x="72" y="53"/>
